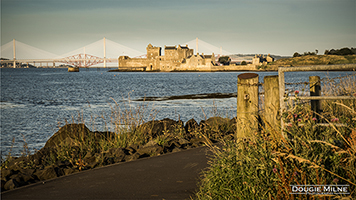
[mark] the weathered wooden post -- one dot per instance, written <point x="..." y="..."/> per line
<point x="315" y="90"/>
<point x="272" y="104"/>
<point x="247" y="104"/>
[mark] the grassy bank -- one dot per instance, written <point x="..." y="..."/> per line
<point x="315" y="60"/>
<point x="269" y="162"/>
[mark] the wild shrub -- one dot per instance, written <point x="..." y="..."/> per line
<point x="305" y="153"/>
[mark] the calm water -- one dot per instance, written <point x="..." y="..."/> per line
<point x="36" y="102"/>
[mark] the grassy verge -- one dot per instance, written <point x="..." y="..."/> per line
<point x="315" y="60"/>
<point x="265" y="166"/>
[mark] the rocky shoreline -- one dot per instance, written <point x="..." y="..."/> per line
<point x="47" y="163"/>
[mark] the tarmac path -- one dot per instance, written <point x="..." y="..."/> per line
<point x="168" y="176"/>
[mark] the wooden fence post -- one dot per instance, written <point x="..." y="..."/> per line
<point x="247" y="104"/>
<point x="315" y="90"/>
<point x="272" y="104"/>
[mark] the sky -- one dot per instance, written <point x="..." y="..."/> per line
<point x="279" y="27"/>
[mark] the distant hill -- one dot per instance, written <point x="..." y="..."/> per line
<point x="315" y="60"/>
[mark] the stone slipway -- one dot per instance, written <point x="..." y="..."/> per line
<point x="169" y="176"/>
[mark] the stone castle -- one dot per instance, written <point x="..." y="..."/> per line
<point x="175" y="58"/>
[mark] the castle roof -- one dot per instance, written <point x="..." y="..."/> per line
<point x="170" y="47"/>
<point x="195" y="56"/>
<point x="184" y="47"/>
<point x="175" y="48"/>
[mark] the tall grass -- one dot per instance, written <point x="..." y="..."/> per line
<point x="123" y="120"/>
<point x="266" y="165"/>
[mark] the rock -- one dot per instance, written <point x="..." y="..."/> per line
<point x="196" y="142"/>
<point x="23" y="179"/>
<point x="132" y="149"/>
<point x="172" y="144"/>
<point x="191" y="126"/>
<point x="44" y="156"/>
<point x="64" y="164"/>
<point x="48" y="172"/>
<point x="183" y="142"/>
<point x="134" y="156"/>
<point x="151" y="150"/>
<point x="118" y="154"/>
<point x="90" y="160"/>
<point x="11" y="184"/>
<point x="70" y="134"/>
<point x="25" y="176"/>
<point x="59" y="170"/>
<point x="15" y="163"/>
<point x="150" y="143"/>
<point x="18" y="179"/>
<point x="176" y="150"/>
<point x="67" y="171"/>
<point x="152" y="129"/>
<point x="27" y="171"/>
<point x="3" y="182"/>
<point x="6" y="173"/>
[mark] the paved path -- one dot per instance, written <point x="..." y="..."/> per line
<point x="169" y="176"/>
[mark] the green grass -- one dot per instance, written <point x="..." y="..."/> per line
<point x="267" y="164"/>
<point x="316" y="60"/>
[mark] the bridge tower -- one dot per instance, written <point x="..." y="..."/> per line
<point x="197" y="46"/>
<point x="104" y="53"/>
<point x="14" y="52"/>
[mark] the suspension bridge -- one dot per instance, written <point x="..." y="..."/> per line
<point x="103" y="52"/>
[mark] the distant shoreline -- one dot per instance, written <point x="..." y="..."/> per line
<point x="177" y="71"/>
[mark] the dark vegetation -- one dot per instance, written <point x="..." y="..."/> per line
<point x="225" y="60"/>
<point x="341" y="52"/>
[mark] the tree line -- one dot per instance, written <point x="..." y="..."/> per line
<point x="342" y="52"/>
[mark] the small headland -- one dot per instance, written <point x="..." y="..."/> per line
<point x="191" y="96"/>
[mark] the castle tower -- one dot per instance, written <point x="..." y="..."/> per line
<point x="153" y="52"/>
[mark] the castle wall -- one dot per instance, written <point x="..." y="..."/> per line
<point x="168" y="65"/>
<point x="127" y="62"/>
<point x="171" y="53"/>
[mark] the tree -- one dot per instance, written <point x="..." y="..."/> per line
<point x="225" y="60"/>
<point x="342" y="52"/>
<point x="296" y="54"/>
<point x="243" y="63"/>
